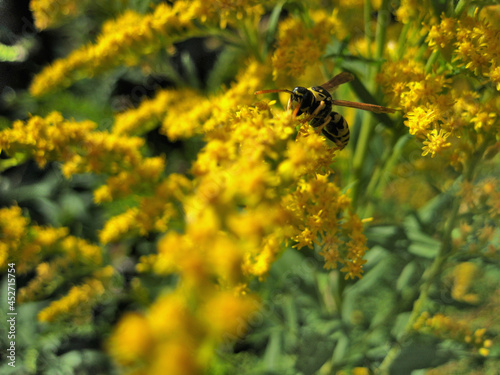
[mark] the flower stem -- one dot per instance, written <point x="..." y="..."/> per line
<point x="369" y="123"/>
<point x="381" y="174"/>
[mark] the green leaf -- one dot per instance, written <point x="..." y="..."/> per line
<point x="407" y="276"/>
<point x="272" y="27"/>
<point x="422" y="244"/>
<point x="191" y="71"/>
<point x="341" y="349"/>
<point x="273" y="350"/>
<point x="223" y="69"/>
<point x="419" y="354"/>
<point x="314" y="350"/>
<point x="432" y="212"/>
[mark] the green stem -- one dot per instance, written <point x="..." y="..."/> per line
<point x="252" y="40"/>
<point x="381" y="175"/>
<point x="402" y="41"/>
<point x="383" y="19"/>
<point x="369" y="122"/>
<point x="367" y="18"/>
<point x="432" y="59"/>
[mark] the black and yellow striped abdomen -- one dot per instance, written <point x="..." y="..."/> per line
<point x="317" y="102"/>
<point x="337" y="130"/>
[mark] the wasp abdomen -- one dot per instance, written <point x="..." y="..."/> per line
<point x="337" y="130"/>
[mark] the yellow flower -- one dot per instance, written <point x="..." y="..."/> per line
<point x="484" y="120"/>
<point x="419" y="121"/>
<point x="436" y="142"/>
<point x="408" y="10"/>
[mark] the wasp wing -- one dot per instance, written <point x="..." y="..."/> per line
<point x="366" y="107"/>
<point x="338" y="80"/>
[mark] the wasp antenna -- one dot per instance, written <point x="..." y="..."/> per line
<point x="271" y="91"/>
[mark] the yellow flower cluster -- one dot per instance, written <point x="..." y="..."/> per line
<point x="13" y="227"/>
<point x="150" y="112"/>
<point x="439" y="110"/>
<point x="132" y="36"/>
<point x="476" y="44"/>
<point x="78" y="303"/>
<point x="445" y="327"/>
<point x="27" y="245"/>
<point x="122" y="42"/>
<point x="125" y="182"/>
<point x="83" y="150"/>
<point x="229" y="12"/>
<point x="300" y="46"/>
<point x="49" y="13"/>
<point x="444" y="110"/>
<point x="409" y="10"/>
<point x="184" y="113"/>
<point x="45" y="139"/>
<point x="55" y="257"/>
<point x="152" y="214"/>
<point x="315" y="204"/>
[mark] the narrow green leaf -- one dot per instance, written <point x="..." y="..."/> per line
<point x="366" y="97"/>
<point x="272" y="27"/>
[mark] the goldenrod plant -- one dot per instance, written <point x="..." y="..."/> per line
<point x="201" y="229"/>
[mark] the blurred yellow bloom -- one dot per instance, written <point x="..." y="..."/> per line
<point x="132" y="339"/>
<point x="464" y="274"/>
<point x="299" y="46"/>
<point x="45" y="139"/>
<point x="228" y="12"/>
<point x="49" y="13"/>
<point x="220" y="311"/>
<point x="446" y="327"/>
<point x="76" y="305"/>
<point x="122" y="41"/>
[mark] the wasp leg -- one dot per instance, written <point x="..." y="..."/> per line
<point x="296" y="109"/>
<point x="320" y="128"/>
<point x="316" y="111"/>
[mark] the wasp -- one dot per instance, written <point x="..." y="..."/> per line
<point x="317" y="103"/>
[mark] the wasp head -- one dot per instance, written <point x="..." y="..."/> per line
<point x="300" y="98"/>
